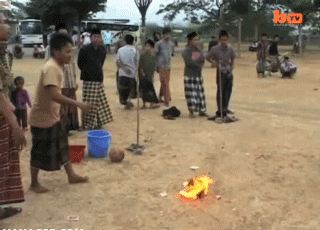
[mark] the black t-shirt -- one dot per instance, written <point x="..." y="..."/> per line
<point x="273" y="50"/>
<point x="90" y="62"/>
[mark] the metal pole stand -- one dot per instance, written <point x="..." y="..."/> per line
<point x="136" y="148"/>
<point x="220" y="119"/>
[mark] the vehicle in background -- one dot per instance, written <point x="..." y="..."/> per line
<point x="115" y="28"/>
<point x="30" y="32"/>
<point x="253" y="47"/>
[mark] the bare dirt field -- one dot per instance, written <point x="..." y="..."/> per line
<point x="265" y="167"/>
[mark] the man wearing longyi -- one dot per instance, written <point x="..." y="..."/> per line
<point x="12" y="140"/>
<point x="224" y="54"/>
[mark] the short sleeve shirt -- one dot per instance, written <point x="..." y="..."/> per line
<point x="129" y="57"/>
<point x="164" y="52"/>
<point x="45" y="113"/>
<point x="223" y="54"/>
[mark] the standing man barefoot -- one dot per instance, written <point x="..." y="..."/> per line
<point x="90" y="61"/>
<point x="193" y="80"/>
<point x="262" y="55"/>
<point x="127" y="60"/>
<point x="50" y="148"/>
<point x="225" y="54"/>
<point x="164" y="50"/>
<point x="119" y="44"/>
<point x="12" y="140"/>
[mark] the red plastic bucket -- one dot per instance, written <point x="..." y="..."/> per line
<point x="76" y="153"/>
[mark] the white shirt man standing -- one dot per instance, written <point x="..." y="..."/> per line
<point x="127" y="61"/>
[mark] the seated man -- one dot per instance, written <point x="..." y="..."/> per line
<point x="17" y="52"/>
<point x="287" y="68"/>
<point x="35" y="51"/>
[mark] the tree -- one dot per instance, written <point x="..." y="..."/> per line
<point x="143" y="6"/>
<point x="241" y="7"/>
<point x="306" y="7"/>
<point x="69" y="11"/>
<point x="209" y="10"/>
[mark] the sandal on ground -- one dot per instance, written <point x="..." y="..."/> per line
<point x="155" y="106"/>
<point x="213" y="118"/>
<point x="201" y="114"/>
<point x="8" y="212"/>
<point x="191" y="115"/>
<point x="129" y="105"/>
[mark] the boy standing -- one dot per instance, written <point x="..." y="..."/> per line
<point x="262" y="55"/>
<point x="127" y="60"/>
<point x="49" y="140"/>
<point x="274" y="54"/>
<point x="164" y="50"/>
<point x="224" y="54"/>
<point x="20" y="98"/>
<point x="147" y="67"/>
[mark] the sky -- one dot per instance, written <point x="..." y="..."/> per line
<point x="127" y="9"/>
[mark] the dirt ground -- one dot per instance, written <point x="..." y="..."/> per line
<point x="266" y="167"/>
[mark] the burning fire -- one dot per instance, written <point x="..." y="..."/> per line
<point x="197" y="187"/>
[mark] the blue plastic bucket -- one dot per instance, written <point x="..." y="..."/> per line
<point x="99" y="143"/>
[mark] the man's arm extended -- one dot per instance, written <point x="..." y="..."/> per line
<point x="59" y="98"/>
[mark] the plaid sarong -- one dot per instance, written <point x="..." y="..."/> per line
<point x="11" y="190"/>
<point x="50" y="148"/>
<point x="69" y="113"/>
<point x="194" y="92"/>
<point x="100" y="114"/>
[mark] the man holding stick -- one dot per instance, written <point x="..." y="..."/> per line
<point x="224" y="55"/>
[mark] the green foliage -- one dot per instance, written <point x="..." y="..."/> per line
<point x="53" y="11"/>
<point x="241" y="7"/>
<point x="192" y="9"/>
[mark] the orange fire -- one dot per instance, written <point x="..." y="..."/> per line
<point x="197" y="187"/>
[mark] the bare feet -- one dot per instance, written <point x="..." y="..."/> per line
<point x="25" y="129"/>
<point x="129" y="105"/>
<point x="38" y="189"/>
<point x="154" y="106"/>
<point x="75" y="179"/>
<point x="144" y="107"/>
<point x="191" y="115"/>
<point x="202" y="114"/>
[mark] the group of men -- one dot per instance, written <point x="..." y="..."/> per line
<point x="268" y="59"/>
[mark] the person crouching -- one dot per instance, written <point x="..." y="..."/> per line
<point x="288" y="68"/>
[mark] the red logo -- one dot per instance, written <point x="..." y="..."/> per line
<point x="291" y="18"/>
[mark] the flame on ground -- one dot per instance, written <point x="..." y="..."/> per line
<point x="197" y="187"/>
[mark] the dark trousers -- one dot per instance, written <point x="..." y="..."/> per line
<point x="226" y="86"/>
<point x="22" y="118"/>
<point x="133" y="93"/>
<point x="126" y="85"/>
<point x="108" y="48"/>
<point x="117" y="79"/>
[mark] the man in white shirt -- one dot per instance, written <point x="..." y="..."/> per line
<point x="127" y="60"/>
<point x="288" y="68"/>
